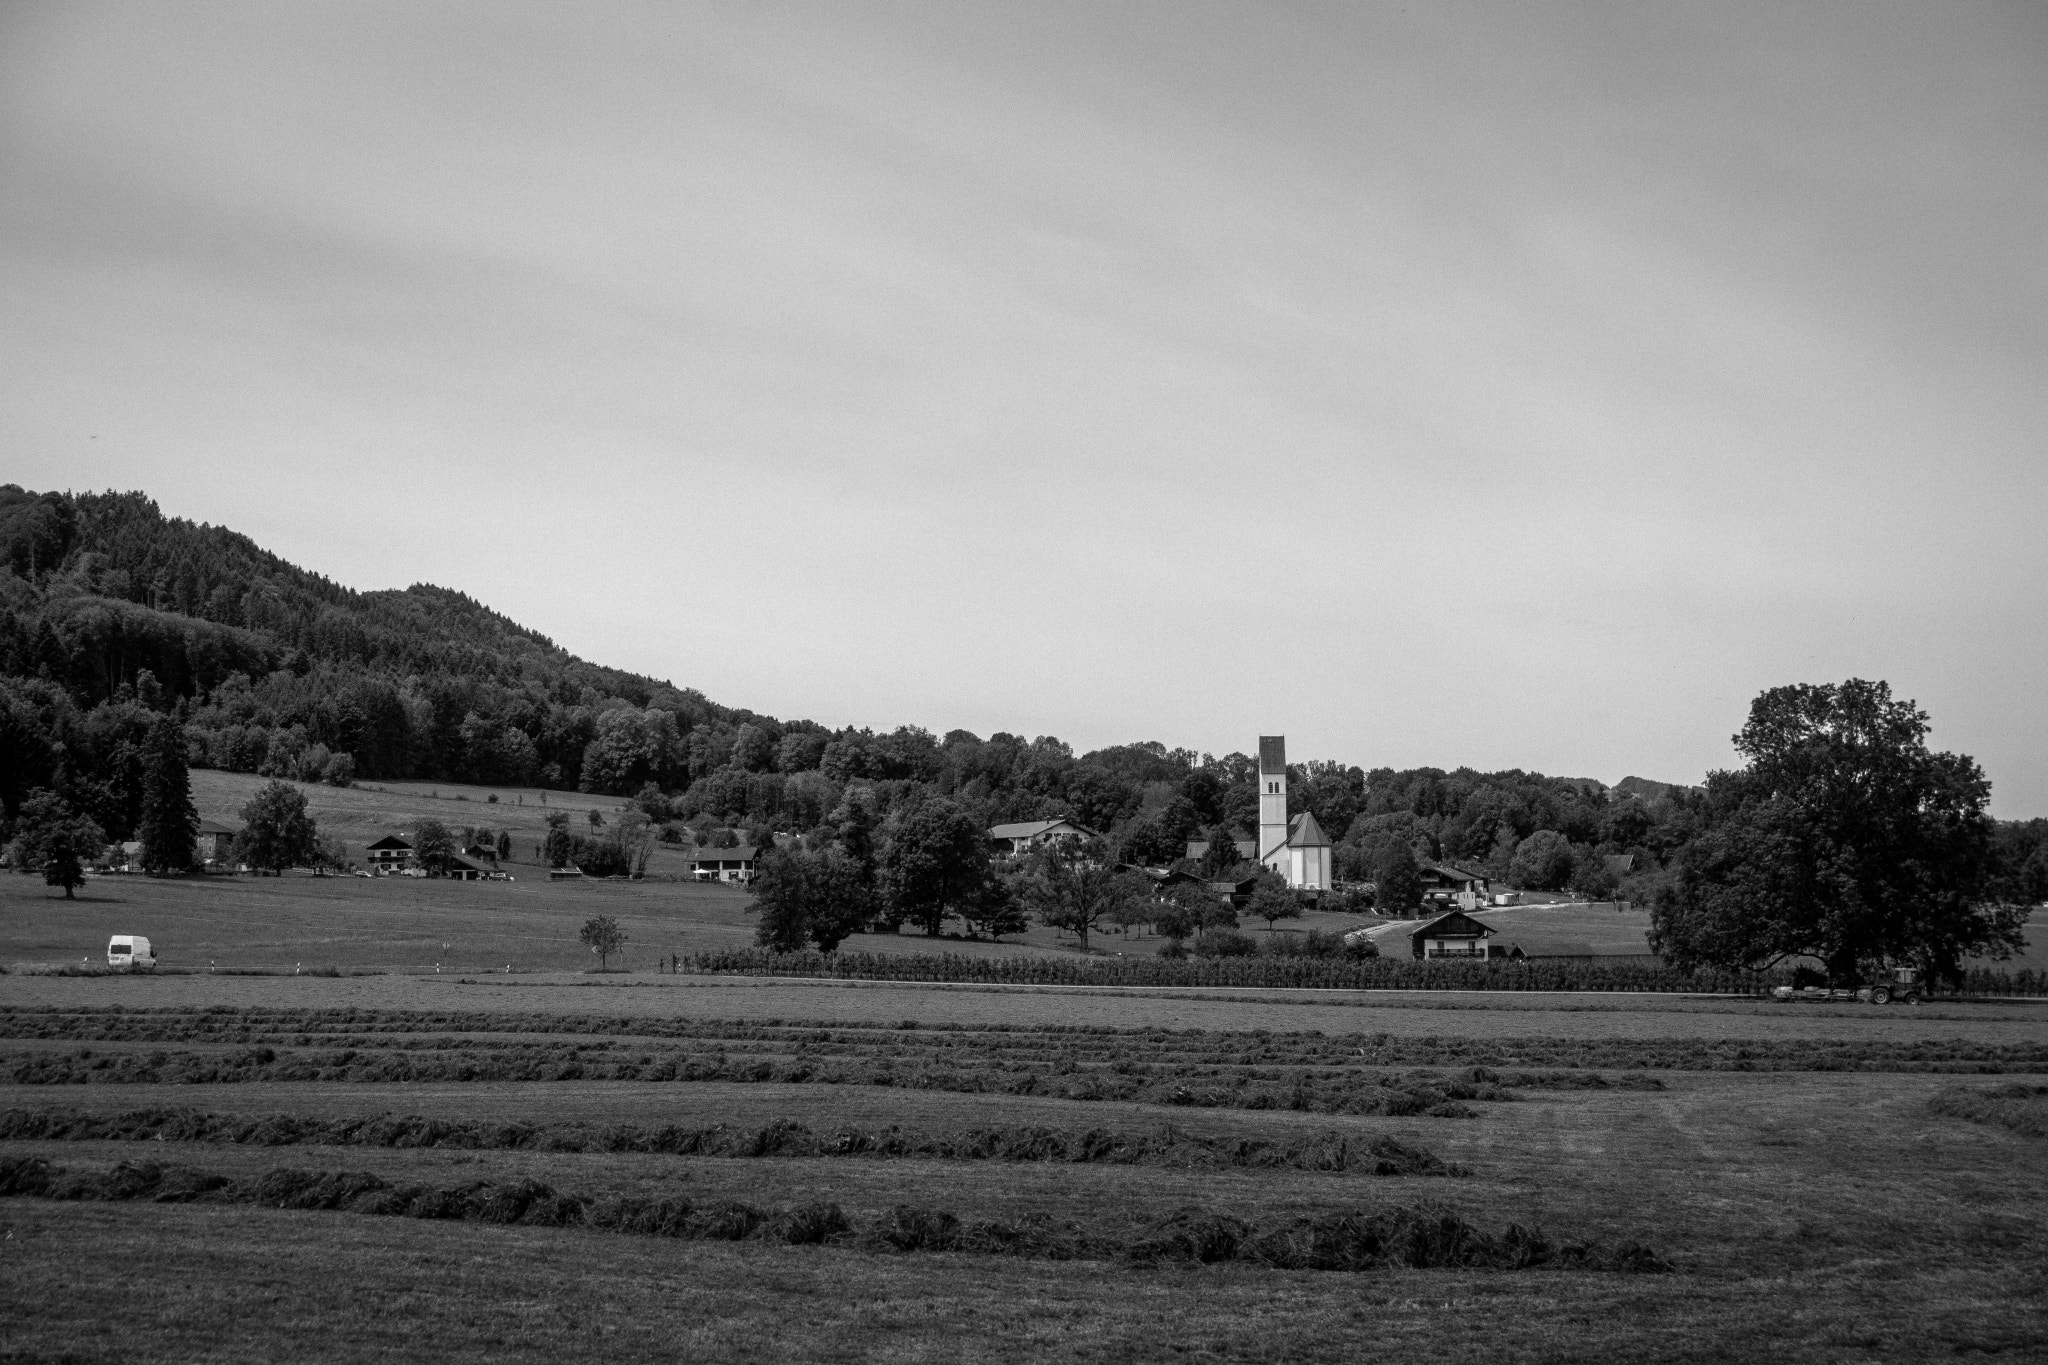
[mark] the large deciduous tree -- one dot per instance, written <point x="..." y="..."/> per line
<point x="936" y="865"/>
<point x="816" y="897"/>
<point x="52" y="838"/>
<point x="1272" y="901"/>
<point x="170" y="824"/>
<point x="1397" y="881"/>
<point x="277" y="833"/>
<point x="1073" y="886"/>
<point x="1845" y="839"/>
<point x="1542" y="862"/>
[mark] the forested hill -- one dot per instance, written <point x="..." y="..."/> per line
<point x="113" y="616"/>
<point x="117" y="610"/>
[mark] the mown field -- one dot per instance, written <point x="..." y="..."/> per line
<point x="572" y="1168"/>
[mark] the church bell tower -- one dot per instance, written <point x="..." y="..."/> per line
<point x="1273" y="802"/>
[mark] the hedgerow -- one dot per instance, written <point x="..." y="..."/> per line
<point x="1300" y="973"/>
<point x="1082" y="1061"/>
<point x="1340" y="1240"/>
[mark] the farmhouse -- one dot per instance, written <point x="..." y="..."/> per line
<point x="215" y="842"/>
<point x="734" y="864"/>
<point x="389" y="854"/>
<point x="1019" y="839"/>
<point x="461" y="869"/>
<point x="1445" y="884"/>
<point x="1453" y="936"/>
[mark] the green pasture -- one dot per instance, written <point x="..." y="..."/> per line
<point x="1823" y="1214"/>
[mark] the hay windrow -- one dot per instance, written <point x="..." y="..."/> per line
<point x="2019" y="1107"/>
<point x="1341" y="1240"/>
<point x="1165" y="1145"/>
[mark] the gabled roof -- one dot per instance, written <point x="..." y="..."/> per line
<point x="1456" y="924"/>
<point x="216" y="827"/>
<point x="1620" y="864"/>
<point x="1246" y="848"/>
<point x="1452" y="872"/>
<point x="1304" y="832"/>
<point x="1273" y="755"/>
<point x="392" y="841"/>
<point x="738" y="853"/>
<point x="1031" y="829"/>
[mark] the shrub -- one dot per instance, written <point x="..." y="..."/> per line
<point x="1226" y="943"/>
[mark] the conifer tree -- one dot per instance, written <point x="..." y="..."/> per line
<point x="170" y="825"/>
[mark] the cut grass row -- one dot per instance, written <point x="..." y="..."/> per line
<point x="1346" y="1240"/>
<point x="1329" y="1091"/>
<point x="1164" y="1146"/>
<point x="2021" y="1108"/>
<point x="910" y="1048"/>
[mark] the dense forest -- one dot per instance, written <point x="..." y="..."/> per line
<point x="113" y="616"/>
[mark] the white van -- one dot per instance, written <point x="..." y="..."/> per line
<point x="130" y="951"/>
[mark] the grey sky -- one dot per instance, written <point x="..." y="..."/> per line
<point x="1498" y="385"/>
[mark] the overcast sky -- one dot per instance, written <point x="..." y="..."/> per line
<point x="1505" y="385"/>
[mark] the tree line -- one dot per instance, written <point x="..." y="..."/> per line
<point x="124" y="633"/>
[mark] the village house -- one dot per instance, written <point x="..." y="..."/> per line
<point x="1444" y="884"/>
<point x="1450" y="937"/>
<point x="734" y="864"/>
<point x="389" y="854"/>
<point x="1018" y="839"/>
<point x="215" y="843"/>
<point x="461" y="869"/>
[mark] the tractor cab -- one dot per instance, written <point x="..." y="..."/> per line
<point x="1904" y="985"/>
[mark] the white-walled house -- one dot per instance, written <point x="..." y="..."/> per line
<point x="1026" y="835"/>
<point x="734" y="864"/>
<point x="389" y="854"/>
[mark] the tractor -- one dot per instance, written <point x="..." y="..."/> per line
<point x="1904" y="986"/>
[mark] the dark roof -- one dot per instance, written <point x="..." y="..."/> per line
<point x="1620" y="864"/>
<point x="216" y="827"/>
<point x="1306" y="833"/>
<point x="392" y="841"/>
<point x="1273" y="754"/>
<point x="1031" y="829"/>
<point x="738" y="853"/>
<point x="1456" y="924"/>
<point x="1452" y="872"/>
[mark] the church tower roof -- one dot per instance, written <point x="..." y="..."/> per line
<point x="1273" y="754"/>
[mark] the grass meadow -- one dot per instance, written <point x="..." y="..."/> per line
<point x="1832" y="1183"/>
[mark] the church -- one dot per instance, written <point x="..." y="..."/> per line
<point x="1297" y="849"/>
